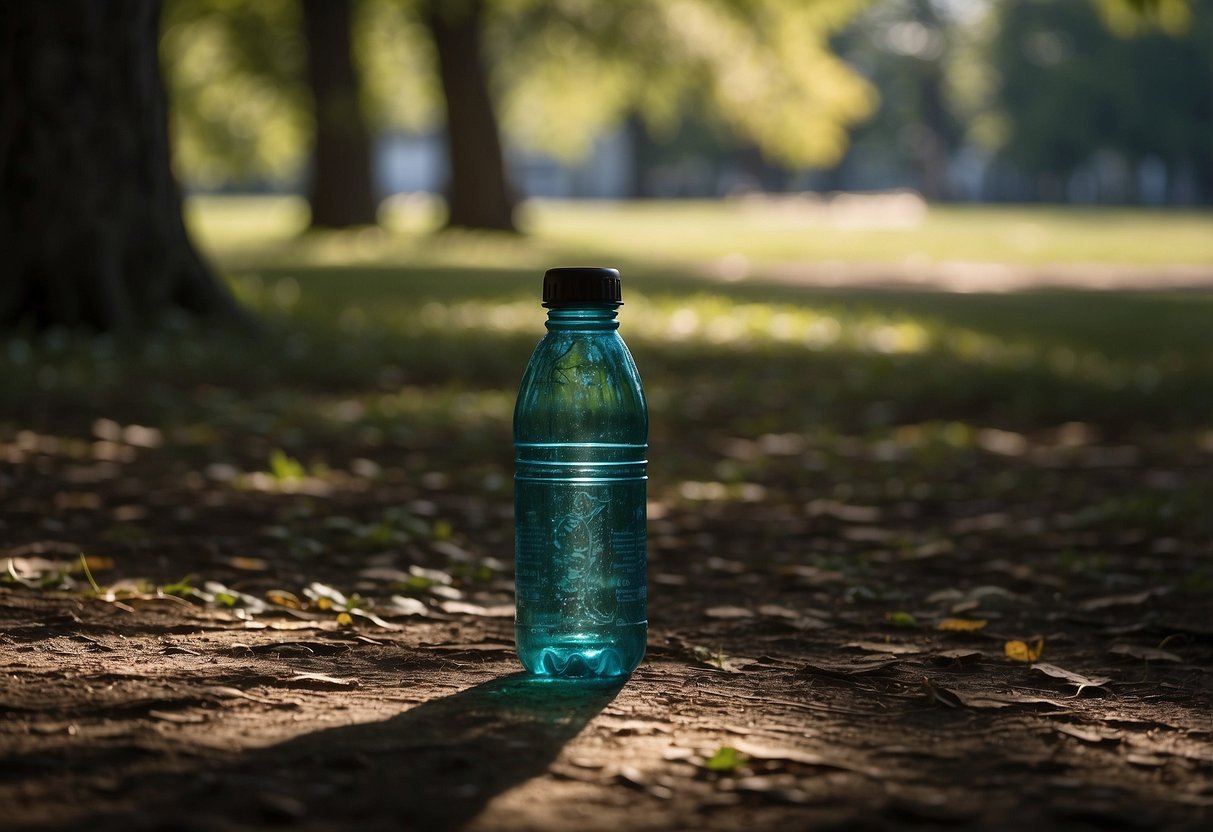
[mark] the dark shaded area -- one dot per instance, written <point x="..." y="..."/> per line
<point x="90" y="216"/>
<point x="433" y="766"/>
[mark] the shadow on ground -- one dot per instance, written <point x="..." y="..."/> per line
<point x="434" y="767"/>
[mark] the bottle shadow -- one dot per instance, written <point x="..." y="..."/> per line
<point x="435" y="766"/>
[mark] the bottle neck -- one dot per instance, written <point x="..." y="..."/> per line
<point x="590" y="316"/>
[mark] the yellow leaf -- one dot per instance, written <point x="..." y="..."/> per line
<point x="324" y="603"/>
<point x="1021" y="651"/>
<point x="345" y="619"/>
<point x="961" y="625"/>
<point x="283" y="598"/>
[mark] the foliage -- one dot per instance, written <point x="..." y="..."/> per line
<point x="1069" y="87"/>
<point x="239" y="109"/>
<point x="1130" y="17"/>
<point x="725" y="759"/>
<point x="564" y="71"/>
<point x="1047" y="83"/>
<point x="397" y="66"/>
<point x="763" y="68"/>
<point x="918" y="54"/>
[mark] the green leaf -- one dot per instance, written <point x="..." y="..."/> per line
<point x="726" y="758"/>
<point x="181" y="588"/>
<point x="284" y="468"/>
<point x="901" y="619"/>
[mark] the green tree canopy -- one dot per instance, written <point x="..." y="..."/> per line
<point x="240" y="111"/>
<point x="562" y="71"/>
<point x="1079" y="77"/>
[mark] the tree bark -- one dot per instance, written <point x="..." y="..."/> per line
<point x="935" y="146"/>
<point x="341" y="193"/>
<point x="478" y="195"/>
<point x="91" y="232"/>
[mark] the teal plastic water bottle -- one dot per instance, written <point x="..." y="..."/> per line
<point x="581" y="429"/>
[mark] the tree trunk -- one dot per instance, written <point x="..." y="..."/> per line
<point x="341" y="194"/>
<point x="933" y="151"/>
<point x="478" y="194"/>
<point x="641" y="147"/>
<point x="935" y="146"/>
<point x="90" y="215"/>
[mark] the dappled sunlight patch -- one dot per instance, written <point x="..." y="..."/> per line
<point x="443" y="405"/>
<point x="508" y="317"/>
<point x="746" y="492"/>
<point x="231" y="222"/>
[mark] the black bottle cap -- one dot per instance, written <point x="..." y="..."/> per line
<point x="568" y="286"/>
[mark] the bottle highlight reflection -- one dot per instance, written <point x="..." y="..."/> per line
<point x="580" y="440"/>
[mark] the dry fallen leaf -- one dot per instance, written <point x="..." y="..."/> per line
<point x="403" y="605"/>
<point x="319" y="681"/>
<point x="1091" y="735"/>
<point x="1005" y="700"/>
<point x="1135" y="598"/>
<point x="857" y="667"/>
<point x="324" y="596"/>
<point x="282" y="598"/>
<point x="462" y="608"/>
<point x="1073" y="678"/>
<point x="1149" y="654"/>
<point x="1146" y="760"/>
<point x="960" y="625"/>
<point x="372" y="617"/>
<point x="943" y="696"/>
<point x="1021" y="651"/>
<point x="776" y="611"/>
<point x="960" y="655"/>
<point x="728" y="612"/>
<point x="884" y="647"/>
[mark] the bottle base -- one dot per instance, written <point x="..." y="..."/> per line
<point x="582" y="655"/>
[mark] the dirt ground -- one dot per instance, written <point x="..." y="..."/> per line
<point x="781" y="690"/>
<point x="297" y="605"/>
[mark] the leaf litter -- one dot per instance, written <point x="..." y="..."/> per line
<point x="1076" y="679"/>
<point x="440" y="652"/>
<point x="1149" y="654"/>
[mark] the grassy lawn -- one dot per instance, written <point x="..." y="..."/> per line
<point x="767" y="232"/>
<point x="1028" y="359"/>
<point x="452" y="317"/>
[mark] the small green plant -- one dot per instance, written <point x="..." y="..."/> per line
<point x="182" y="589"/>
<point x="900" y="618"/>
<point x="88" y="573"/>
<point x="712" y="657"/>
<point x="725" y="759"/>
<point x="284" y="468"/>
